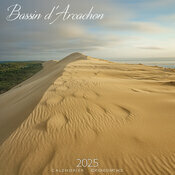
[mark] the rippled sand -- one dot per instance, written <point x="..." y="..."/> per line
<point x="87" y="108"/>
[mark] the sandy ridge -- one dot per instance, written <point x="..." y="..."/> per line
<point x="19" y="102"/>
<point x="123" y="115"/>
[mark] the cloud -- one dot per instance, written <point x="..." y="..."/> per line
<point x="51" y="42"/>
<point x="120" y="30"/>
<point x="159" y="3"/>
<point x="144" y="27"/>
<point x="151" y="48"/>
<point x="167" y="18"/>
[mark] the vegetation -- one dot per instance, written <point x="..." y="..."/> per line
<point x="13" y="73"/>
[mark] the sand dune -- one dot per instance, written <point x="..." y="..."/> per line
<point x="88" y="108"/>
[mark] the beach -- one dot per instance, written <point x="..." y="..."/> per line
<point x="119" y="115"/>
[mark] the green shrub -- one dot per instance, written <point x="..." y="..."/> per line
<point x="13" y="73"/>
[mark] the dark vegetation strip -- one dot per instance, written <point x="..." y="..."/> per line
<point x="13" y="73"/>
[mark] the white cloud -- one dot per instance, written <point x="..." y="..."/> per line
<point x="119" y="34"/>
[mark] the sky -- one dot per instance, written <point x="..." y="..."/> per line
<point x="130" y="29"/>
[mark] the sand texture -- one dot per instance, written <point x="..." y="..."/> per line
<point x="88" y="108"/>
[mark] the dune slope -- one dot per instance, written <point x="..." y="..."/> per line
<point x="18" y="103"/>
<point x="122" y="115"/>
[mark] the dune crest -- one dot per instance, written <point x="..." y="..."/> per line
<point x="19" y="102"/>
<point x="122" y="115"/>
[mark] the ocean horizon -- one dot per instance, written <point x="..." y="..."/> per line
<point x="168" y="63"/>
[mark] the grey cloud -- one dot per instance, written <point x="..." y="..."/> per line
<point x="151" y="48"/>
<point x="33" y="40"/>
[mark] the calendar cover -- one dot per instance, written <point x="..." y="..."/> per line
<point x="87" y="87"/>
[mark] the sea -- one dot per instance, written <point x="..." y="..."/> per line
<point x="161" y="62"/>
